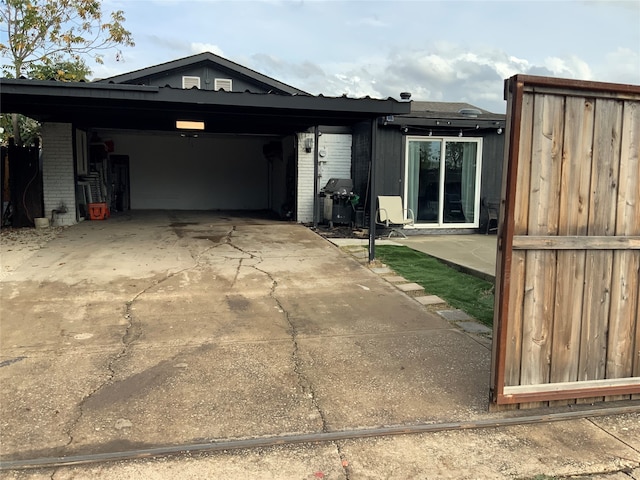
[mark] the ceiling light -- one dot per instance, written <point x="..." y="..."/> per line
<point x="189" y="125"/>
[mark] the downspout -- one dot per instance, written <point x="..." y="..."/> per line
<point x="373" y="198"/>
<point x="316" y="198"/>
<point x="74" y="149"/>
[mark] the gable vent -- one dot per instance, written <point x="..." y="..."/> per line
<point x="222" y="84"/>
<point x="190" y="82"/>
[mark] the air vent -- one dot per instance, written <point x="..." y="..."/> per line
<point x="469" y="112"/>
<point x="190" y="82"/>
<point x="222" y="84"/>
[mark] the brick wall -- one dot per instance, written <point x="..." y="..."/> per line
<point x="58" y="175"/>
<point x="305" y="181"/>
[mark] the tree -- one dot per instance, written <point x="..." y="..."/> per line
<point x="64" y="71"/>
<point x="49" y="32"/>
<point x="28" y="127"/>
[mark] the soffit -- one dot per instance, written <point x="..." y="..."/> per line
<point x="102" y="105"/>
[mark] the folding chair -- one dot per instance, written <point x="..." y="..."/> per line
<point x="492" y="207"/>
<point x="391" y="214"/>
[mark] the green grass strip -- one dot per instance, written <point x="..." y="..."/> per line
<point x="460" y="290"/>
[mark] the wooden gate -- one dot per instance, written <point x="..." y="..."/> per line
<point x="566" y="323"/>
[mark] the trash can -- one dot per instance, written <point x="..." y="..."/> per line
<point x="339" y="201"/>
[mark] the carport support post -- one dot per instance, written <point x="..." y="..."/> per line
<point x="372" y="196"/>
<point x="316" y="197"/>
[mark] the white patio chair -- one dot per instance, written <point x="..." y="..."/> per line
<point x="391" y="214"/>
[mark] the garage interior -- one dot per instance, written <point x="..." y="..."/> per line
<point x="144" y="170"/>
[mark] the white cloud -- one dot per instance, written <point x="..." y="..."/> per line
<point x="343" y="46"/>
<point x="197" y="47"/>
<point x="621" y="65"/>
<point x="630" y="5"/>
<point x="373" y="21"/>
<point x="570" y="67"/>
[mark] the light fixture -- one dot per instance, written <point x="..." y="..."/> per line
<point x="189" y="125"/>
<point x="460" y="133"/>
<point x="405" y="129"/>
<point x="499" y="130"/>
<point x="308" y="144"/>
<point x="430" y="133"/>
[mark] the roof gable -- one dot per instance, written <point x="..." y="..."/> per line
<point x="208" y="66"/>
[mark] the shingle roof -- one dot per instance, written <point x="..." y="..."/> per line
<point x="448" y="109"/>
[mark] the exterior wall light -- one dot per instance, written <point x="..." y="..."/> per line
<point x="308" y="144"/>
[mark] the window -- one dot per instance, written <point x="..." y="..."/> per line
<point x="190" y="82"/>
<point x="443" y="181"/>
<point x="222" y="84"/>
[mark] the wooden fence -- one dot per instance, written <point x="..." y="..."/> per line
<point x="567" y="326"/>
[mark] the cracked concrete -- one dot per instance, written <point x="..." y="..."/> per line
<point x="173" y="328"/>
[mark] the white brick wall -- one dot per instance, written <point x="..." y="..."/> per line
<point x="58" y="176"/>
<point x="305" y="181"/>
<point x="336" y="163"/>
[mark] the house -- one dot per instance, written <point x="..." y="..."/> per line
<point x="204" y="133"/>
<point x="199" y="133"/>
<point x="444" y="159"/>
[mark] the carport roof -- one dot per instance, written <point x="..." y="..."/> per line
<point x="141" y="107"/>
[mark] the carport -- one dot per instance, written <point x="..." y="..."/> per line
<point x="239" y="154"/>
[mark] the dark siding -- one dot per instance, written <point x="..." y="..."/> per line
<point x="492" y="156"/>
<point x="390" y="162"/>
<point x="390" y="151"/>
<point x="361" y="155"/>
<point x="491" y="183"/>
<point x="207" y="76"/>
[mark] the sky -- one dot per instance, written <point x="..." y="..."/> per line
<point x="454" y="51"/>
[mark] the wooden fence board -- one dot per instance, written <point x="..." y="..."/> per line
<point x="570" y="242"/>
<point x="521" y="213"/>
<point x="602" y="219"/>
<point x="568" y="317"/>
<point x="636" y="347"/>
<point x="624" y="297"/>
<point x="573" y="220"/>
<point x="543" y="219"/>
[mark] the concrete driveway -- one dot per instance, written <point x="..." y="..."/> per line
<point x="171" y="328"/>
<point x="168" y="328"/>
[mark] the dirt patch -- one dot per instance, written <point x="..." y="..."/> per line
<point x="17" y="245"/>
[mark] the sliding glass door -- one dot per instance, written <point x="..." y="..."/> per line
<point x="443" y="180"/>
